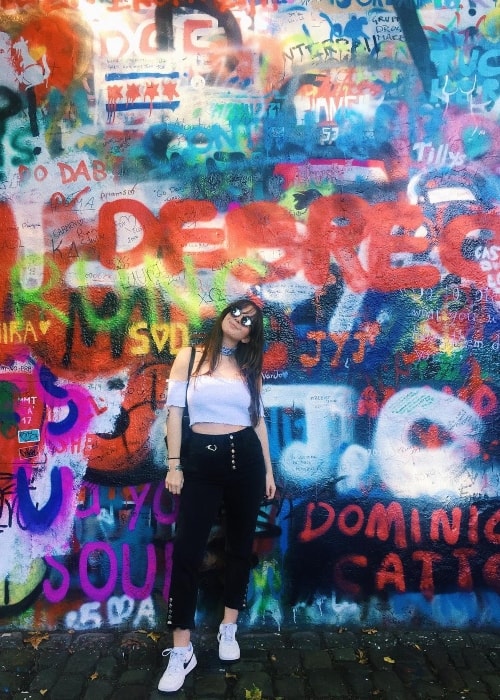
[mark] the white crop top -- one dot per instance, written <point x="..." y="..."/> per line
<point x="212" y="399"/>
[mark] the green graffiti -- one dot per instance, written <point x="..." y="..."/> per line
<point x="8" y="417"/>
<point x="220" y="278"/>
<point x="23" y="297"/>
<point x="112" y="316"/>
<point x="187" y="298"/>
<point x="267" y="585"/>
<point x="115" y="311"/>
<point x="297" y="200"/>
<point x="144" y="285"/>
<point x="20" y="142"/>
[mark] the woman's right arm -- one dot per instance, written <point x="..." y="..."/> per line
<point x="174" y="479"/>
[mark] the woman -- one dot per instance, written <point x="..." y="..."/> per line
<point x="228" y="463"/>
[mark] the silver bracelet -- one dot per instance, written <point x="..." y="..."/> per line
<point x="177" y="468"/>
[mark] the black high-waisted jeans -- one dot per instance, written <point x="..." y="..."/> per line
<point x="220" y="469"/>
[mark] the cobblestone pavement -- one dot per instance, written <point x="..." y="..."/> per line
<point x="297" y="664"/>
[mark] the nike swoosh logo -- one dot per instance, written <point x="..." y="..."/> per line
<point x="186" y="663"/>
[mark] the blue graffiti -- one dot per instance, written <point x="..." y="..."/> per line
<point x="33" y="518"/>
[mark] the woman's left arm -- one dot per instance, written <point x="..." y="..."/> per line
<point x="261" y="430"/>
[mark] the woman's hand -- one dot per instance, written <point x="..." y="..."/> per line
<point x="175" y="478"/>
<point x="174" y="481"/>
<point x="261" y="431"/>
<point x="270" y="485"/>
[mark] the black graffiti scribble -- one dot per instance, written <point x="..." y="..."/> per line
<point x="164" y="21"/>
<point x="7" y="498"/>
<point x="10" y="105"/>
<point x="406" y="12"/>
<point x="304" y="199"/>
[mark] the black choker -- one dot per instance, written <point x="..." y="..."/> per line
<point x="227" y="351"/>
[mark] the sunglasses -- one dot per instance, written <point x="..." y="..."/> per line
<point x="244" y="320"/>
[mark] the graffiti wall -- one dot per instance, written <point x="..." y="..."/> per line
<point x="335" y="160"/>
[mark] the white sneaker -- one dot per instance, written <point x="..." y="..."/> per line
<point x="182" y="661"/>
<point x="229" y="649"/>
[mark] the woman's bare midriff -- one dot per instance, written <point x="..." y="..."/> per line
<point x="216" y="428"/>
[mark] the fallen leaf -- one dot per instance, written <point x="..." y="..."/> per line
<point x="370" y="631"/>
<point x="36" y="640"/>
<point x="362" y="658"/>
<point x="253" y="694"/>
<point x="388" y="660"/>
<point x="94" y="676"/>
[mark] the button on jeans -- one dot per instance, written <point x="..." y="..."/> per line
<point x="226" y="470"/>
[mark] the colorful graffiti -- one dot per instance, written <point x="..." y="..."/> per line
<point x="336" y="161"/>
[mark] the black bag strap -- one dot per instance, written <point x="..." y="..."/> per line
<point x="185" y="414"/>
<point x="190" y="369"/>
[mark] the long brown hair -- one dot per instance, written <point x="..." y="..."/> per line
<point x="249" y="356"/>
